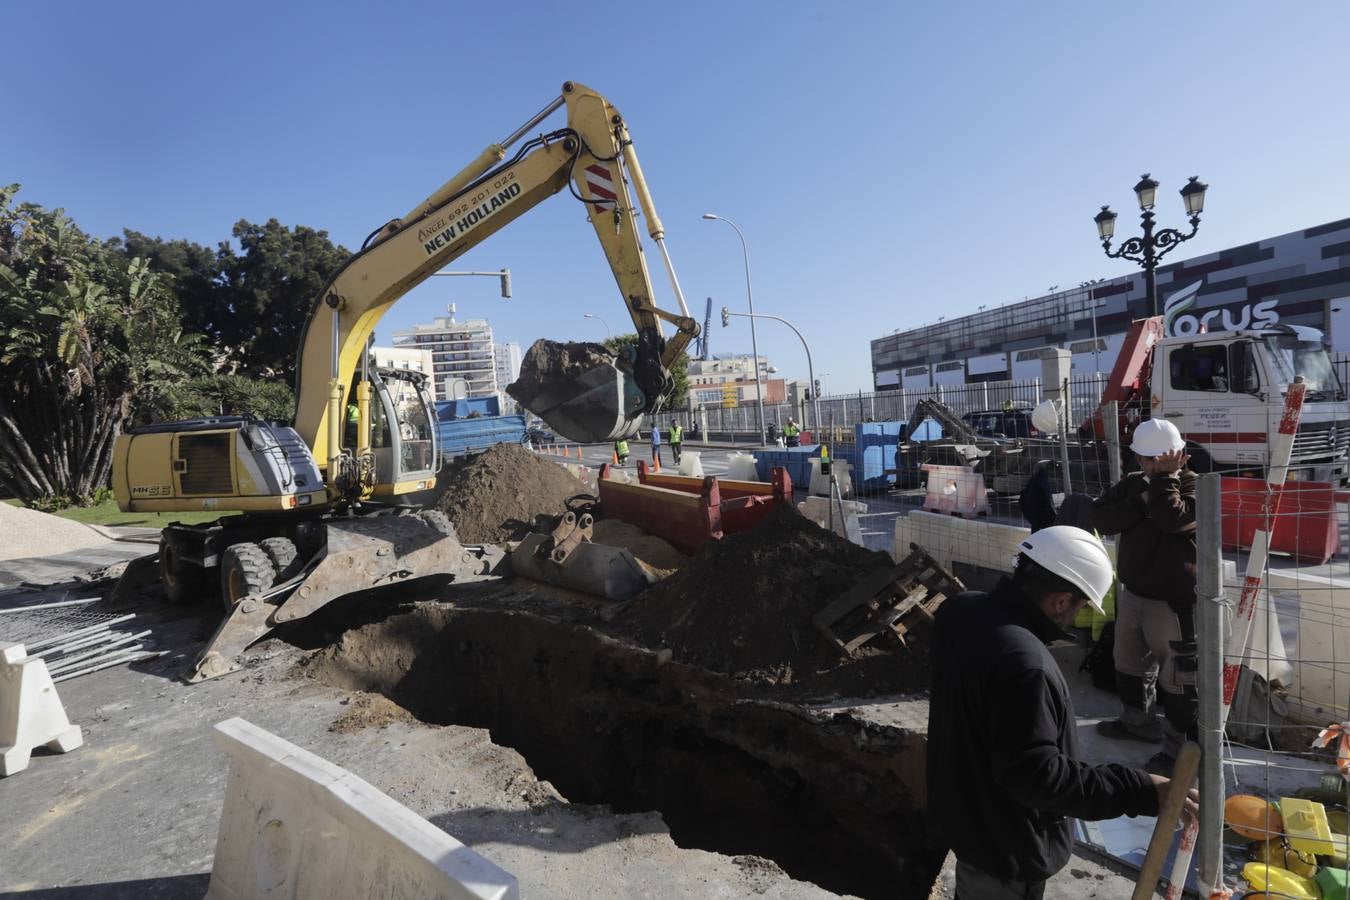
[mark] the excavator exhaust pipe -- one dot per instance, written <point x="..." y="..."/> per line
<point x="583" y="391"/>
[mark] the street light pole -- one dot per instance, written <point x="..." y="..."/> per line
<point x="810" y="367"/>
<point x="754" y="344"/>
<point x="608" y="333"/>
<point x="1152" y="247"/>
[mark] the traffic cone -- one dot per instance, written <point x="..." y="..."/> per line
<point x="658" y="465"/>
<point x="614" y="457"/>
<point x="578" y="451"/>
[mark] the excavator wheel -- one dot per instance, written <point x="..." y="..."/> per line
<point x="438" y="521"/>
<point x="282" y="553"/>
<point x="181" y="579"/>
<point x="244" y="569"/>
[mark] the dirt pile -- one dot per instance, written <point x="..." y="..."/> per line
<point x="652" y="551"/>
<point x="501" y="495"/>
<point x="743" y="606"/>
<point x="547" y="362"/>
<point x="369" y="711"/>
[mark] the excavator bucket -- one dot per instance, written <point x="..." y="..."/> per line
<point x="583" y="391"/>
<point x="360" y="554"/>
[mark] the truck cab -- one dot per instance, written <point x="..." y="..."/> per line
<point x="1224" y="391"/>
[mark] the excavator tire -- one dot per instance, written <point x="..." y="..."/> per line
<point x="181" y="579"/>
<point x="281" y="551"/>
<point x="438" y="521"/>
<point x="244" y="569"/>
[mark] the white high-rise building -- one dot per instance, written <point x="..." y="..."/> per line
<point x="508" y="369"/>
<point x="417" y="359"/>
<point x="463" y="360"/>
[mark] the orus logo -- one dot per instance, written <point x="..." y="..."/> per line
<point x="1177" y="324"/>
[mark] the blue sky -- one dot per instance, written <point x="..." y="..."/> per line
<point x="890" y="163"/>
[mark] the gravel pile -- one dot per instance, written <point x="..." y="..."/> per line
<point x="27" y="532"/>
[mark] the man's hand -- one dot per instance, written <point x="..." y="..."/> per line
<point x="1190" y="809"/>
<point x="1167" y="464"/>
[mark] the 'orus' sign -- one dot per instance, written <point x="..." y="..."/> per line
<point x="1178" y="323"/>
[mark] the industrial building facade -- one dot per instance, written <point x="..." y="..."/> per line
<point x="1301" y="278"/>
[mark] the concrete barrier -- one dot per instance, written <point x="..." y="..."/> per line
<point x="956" y="490"/>
<point x="31" y="713"/>
<point x="843" y="475"/>
<point x="847" y="526"/>
<point x="296" y="826"/>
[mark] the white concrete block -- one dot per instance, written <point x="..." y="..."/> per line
<point x="741" y="467"/>
<point x="843" y="476"/>
<point x="31" y="713"/>
<point x="296" y="826"/>
<point x="847" y="526"/>
<point x="691" y="464"/>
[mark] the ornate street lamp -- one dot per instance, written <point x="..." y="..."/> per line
<point x="1152" y="246"/>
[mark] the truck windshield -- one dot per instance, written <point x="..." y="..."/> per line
<point x="1290" y="357"/>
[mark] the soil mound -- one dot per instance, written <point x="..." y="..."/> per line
<point x="500" y="494"/>
<point x="369" y="711"/>
<point x="653" y="551"/>
<point x="743" y="606"/>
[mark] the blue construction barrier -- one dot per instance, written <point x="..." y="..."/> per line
<point x="796" y="460"/>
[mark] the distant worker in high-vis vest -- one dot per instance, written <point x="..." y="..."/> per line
<point x="621" y="452"/>
<point x="792" y="434"/>
<point x="676" y="438"/>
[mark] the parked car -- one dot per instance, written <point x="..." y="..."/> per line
<point x="1005" y="423"/>
<point x="540" y="436"/>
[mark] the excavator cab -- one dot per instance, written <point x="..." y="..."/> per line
<point x="403" y="437"/>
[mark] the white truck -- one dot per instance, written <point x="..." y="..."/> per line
<point x="1224" y="391"/>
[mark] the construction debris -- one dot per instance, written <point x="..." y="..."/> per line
<point x="73" y="639"/>
<point x="503" y="494"/>
<point x="888" y="602"/>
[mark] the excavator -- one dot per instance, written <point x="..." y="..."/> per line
<point x="333" y="505"/>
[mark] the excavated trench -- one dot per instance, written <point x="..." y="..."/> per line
<point x="831" y="799"/>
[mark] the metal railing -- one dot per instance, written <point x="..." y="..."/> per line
<point x="839" y="413"/>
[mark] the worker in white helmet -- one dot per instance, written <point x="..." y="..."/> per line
<point x="1153" y="512"/>
<point x="1004" y="778"/>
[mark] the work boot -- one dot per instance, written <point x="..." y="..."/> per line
<point x="1133" y="725"/>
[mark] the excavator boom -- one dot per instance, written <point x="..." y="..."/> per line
<point x="598" y="401"/>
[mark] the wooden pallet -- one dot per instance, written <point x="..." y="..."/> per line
<point x="891" y="601"/>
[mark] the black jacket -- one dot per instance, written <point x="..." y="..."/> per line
<point x="1003" y="772"/>
<point x="1155" y="554"/>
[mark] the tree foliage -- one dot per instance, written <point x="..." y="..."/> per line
<point x="88" y="337"/>
<point x="679" y="397"/>
<point x="251" y="303"/>
<point x="225" y="394"/>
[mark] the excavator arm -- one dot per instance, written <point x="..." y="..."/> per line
<point x="593" y="155"/>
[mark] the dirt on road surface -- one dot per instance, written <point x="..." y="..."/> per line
<point x="501" y="494"/>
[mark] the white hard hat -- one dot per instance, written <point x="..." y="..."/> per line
<point x="1075" y="555"/>
<point x="1046" y="417"/>
<point x="1154" y="437"/>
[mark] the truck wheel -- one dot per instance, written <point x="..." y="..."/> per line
<point x="438" y="521"/>
<point x="182" y="580"/>
<point x="244" y="570"/>
<point x="282" y="553"/>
